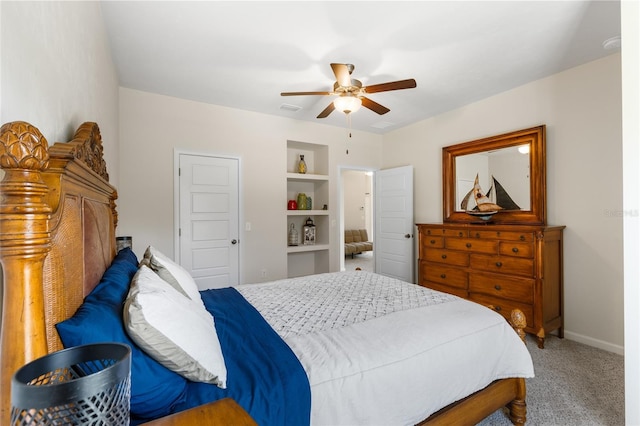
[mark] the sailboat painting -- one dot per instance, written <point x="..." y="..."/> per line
<point x="484" y="206"/>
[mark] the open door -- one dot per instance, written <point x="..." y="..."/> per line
<point x="394" y="223"/>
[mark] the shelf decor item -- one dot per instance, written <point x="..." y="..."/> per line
<point x="309" y="232"/>
<point x="292" y="205"/>
<point x="293" y="235"/>
<point x="302" y="201"/>
<point x="88" y="384"/>
<point x="302" y="165"/>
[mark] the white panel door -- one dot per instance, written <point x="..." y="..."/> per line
<point x="208" y="234"/>
<point x="394" y="223"/>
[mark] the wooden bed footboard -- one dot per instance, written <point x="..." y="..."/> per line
<point x="510" y="393"/>
<point x="472" y="409"/>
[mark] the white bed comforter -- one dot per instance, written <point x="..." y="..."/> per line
<point x="379" y="351"/>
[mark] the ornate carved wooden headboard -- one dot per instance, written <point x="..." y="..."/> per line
<point x="57" y="237"/>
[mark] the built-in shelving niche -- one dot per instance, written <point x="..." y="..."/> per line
<point x="309" y="259"/>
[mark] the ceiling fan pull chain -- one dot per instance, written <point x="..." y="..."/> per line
<point x="348" y="131"/>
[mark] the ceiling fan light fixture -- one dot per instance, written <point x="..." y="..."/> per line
<point x="347" y="104"/>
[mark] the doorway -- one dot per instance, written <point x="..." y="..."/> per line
<point x="357" y="216"/>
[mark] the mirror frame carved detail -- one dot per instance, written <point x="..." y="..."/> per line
<point x="536" y="138"/>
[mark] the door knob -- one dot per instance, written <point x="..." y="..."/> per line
<point x="234" y="241"/>
<point x="407" y="235"/>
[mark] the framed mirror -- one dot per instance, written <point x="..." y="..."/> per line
<point x="499" y="179"/>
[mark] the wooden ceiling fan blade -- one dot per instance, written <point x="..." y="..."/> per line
<point x="328" y="110"/>
<point x="374" y="106"/>
<point x="304" y="93"/>
<point x="343" y="77"/>
<point x="393" y="85"/>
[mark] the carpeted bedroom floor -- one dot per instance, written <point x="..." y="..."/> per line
<point x="575" y="385"/>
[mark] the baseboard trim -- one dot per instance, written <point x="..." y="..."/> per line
<point x="596" y="343"/>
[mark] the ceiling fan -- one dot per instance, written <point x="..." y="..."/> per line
<point x="351" y="93"/>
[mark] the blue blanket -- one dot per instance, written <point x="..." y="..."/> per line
<point x="263" y="374"/>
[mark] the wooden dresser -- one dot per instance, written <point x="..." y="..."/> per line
<point x="505" y="266"/>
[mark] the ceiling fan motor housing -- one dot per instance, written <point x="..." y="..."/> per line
<point x="353" y="90"/>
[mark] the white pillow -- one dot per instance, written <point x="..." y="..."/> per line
<point x="172" y="273"/>
<point x="173" y="329"/>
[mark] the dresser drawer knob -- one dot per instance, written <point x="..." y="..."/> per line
<point x="460" y="234"/>
<point x="522" y="238"/>
<point x="443" y="276"/>
<point x="498" y="287"/>
<point x="468" y="245"/>
<point x="515" y="249"/>
<point x="499" y="264"/>
<point x="498" y="308"/>
<point x="477" y="235"/>
<point x="432" y="241"/>
<point x="444" y="256"/>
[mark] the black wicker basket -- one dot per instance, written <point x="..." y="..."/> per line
<point x="84" y="385"/>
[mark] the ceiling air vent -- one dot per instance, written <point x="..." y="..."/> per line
<point x="289" y="107"/>
<point x="383" y="124"/>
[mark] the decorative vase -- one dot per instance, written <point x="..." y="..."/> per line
<point x="302" y="201"/>
<point x="309" y="204"/>
<point x="293" y="235"/>
<point x="292" y="205"/>
<point x="302" y="166"/>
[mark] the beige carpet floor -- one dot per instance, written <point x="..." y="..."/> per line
<point x="575" y="385"/>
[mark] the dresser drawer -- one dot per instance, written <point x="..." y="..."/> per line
<point x="512" y="248"/>
<point x="472" y="245"/>
<point x="448" y="257"/>
<point x="503" y="235"/>
<point x="504" y="307"/>
<point x="431" y="241"/>
<point x="448" y="232"/>
<point x="496" y="285"/>
<point x="458" y="233"/>
<point x="442" y="274"/>
<point x="461" y="292"/>
<point x="502" y="264"/>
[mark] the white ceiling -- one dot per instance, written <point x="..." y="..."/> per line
<point x="243" y="54"/>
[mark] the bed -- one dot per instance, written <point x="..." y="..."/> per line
<point x="58" y="219"/>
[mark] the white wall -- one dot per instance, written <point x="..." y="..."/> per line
<point x="57" y="71"/>
<point x="630" y="12"/>
<point x="582" y="110"/>
<point x="151" y="126"/>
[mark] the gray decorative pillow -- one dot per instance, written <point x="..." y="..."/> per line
<point x="172" y="273"/>
<point x="173" y="329"/>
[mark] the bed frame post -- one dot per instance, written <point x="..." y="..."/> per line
<point x="518" y="407"/>
<point x="25" y="241"/>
